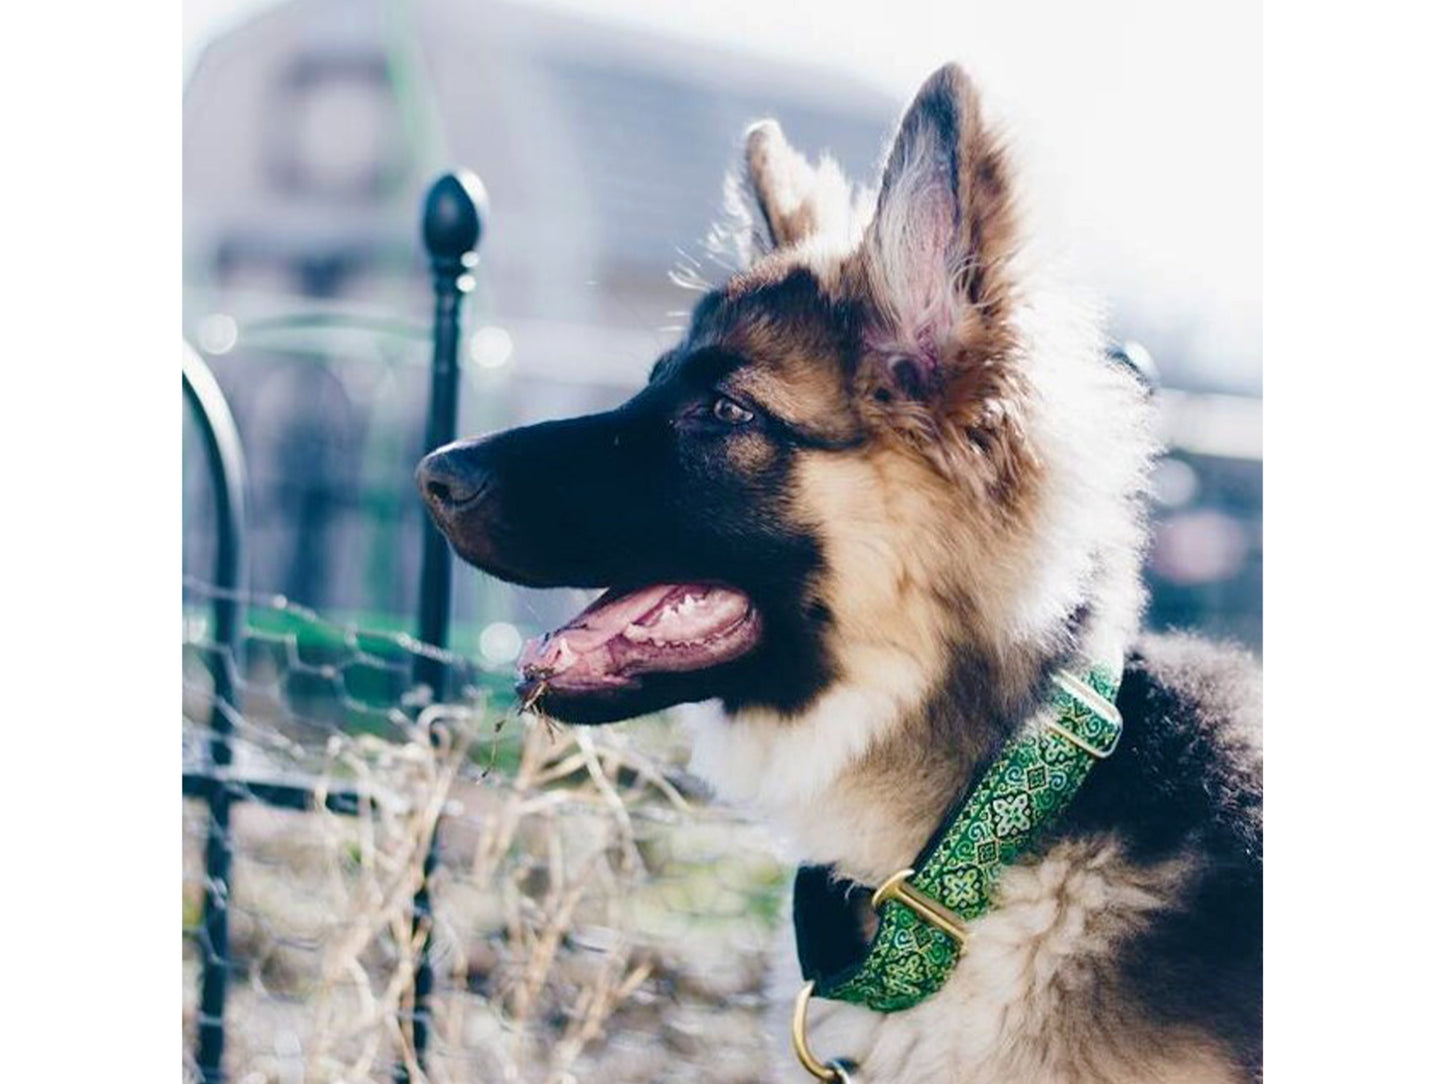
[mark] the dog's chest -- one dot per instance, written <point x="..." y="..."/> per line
<point x="1036" y="998"/>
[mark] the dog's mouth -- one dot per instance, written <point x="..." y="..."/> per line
<point x="623" y="636"/>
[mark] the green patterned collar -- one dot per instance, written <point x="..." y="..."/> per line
<point x="924" y="911"/>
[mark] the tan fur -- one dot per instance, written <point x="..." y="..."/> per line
<point x="803" y="387"/>
<point x="751" y="453"/>
<point x="917" y="569"/>
<point x="912" y="557"/>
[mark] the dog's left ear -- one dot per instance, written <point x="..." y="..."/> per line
<point x="781" y="183"/>
<point x="937" y="252"/>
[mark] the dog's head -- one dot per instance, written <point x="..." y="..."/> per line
<point x="834" y="474"/>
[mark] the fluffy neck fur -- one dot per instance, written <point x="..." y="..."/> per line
<point x="862" y="778"/>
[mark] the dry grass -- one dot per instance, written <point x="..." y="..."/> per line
<point x="590" y="921"/>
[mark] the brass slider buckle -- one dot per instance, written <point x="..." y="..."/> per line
<point x="831" y="1071"/>
<point x="925" y="907"/>
<point x="1095" y="703"/>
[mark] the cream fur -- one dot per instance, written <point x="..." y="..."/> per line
<point x="785" y="774"/>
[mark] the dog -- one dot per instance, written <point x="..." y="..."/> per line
<point x="885" y="495"/>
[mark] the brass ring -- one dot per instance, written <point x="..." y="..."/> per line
<point x="829" y="1072"/>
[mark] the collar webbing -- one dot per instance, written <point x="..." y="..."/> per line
<point x="922" y="912"/>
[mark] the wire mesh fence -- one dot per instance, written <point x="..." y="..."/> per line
<point x="593" y="918"/>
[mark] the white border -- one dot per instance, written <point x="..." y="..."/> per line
<point x="1353" y="237"/>
<point x="91" y="479"/>
<point x="90" y="222"/>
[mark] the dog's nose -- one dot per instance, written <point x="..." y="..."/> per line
<point x="449" y="478"/>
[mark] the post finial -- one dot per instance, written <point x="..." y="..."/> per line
<point x="454" y="217"/>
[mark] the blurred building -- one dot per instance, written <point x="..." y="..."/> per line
<point x="310" y="133"/>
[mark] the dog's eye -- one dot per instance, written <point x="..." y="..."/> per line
<point x="729" y="412"/>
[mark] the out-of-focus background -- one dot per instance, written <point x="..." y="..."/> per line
<point x="602" y="130"/>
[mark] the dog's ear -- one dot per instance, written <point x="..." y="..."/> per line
<point x="938" y="249"/>
<point x="782" y="185"/>
<point x="783" y="199"/>
<point x="935" y="261"/>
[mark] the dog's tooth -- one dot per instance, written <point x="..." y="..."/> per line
<point x="565" y="655"/>
<point x="637" y="634"/>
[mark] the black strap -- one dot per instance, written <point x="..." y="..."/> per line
<point x="826" y="922"/>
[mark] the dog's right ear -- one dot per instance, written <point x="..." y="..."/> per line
<point x="784" y="198"/>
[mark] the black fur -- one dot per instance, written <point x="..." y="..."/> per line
<point x="1187" y="780"/>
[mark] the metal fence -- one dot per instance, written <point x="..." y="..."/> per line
<point x="337" y="777"/>
<point x="452" y="224"/>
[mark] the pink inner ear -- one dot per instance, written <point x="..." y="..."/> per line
<point x="923" y="234"/>
<point x="913" y="243"/>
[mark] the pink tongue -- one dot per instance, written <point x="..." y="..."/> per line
<point x="608" y="615"/>
<point x="584" y="639"/>
<point x="594" y="645"/>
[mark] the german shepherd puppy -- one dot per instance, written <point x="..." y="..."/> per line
<point x="886" y="484"/>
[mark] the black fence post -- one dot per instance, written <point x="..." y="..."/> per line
<point x="227" y="471"/>
<point x="453" y="219"/>
<point x="452" y="224"/>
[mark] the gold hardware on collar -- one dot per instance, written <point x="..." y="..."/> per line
<point x="1093" y="750"/>
<point x="925" y="907"/>
<point x="1082" y="690"/>
<point x="832" y="1072"/>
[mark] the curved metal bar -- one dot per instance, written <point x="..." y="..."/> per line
<point x="228" y="480"/>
